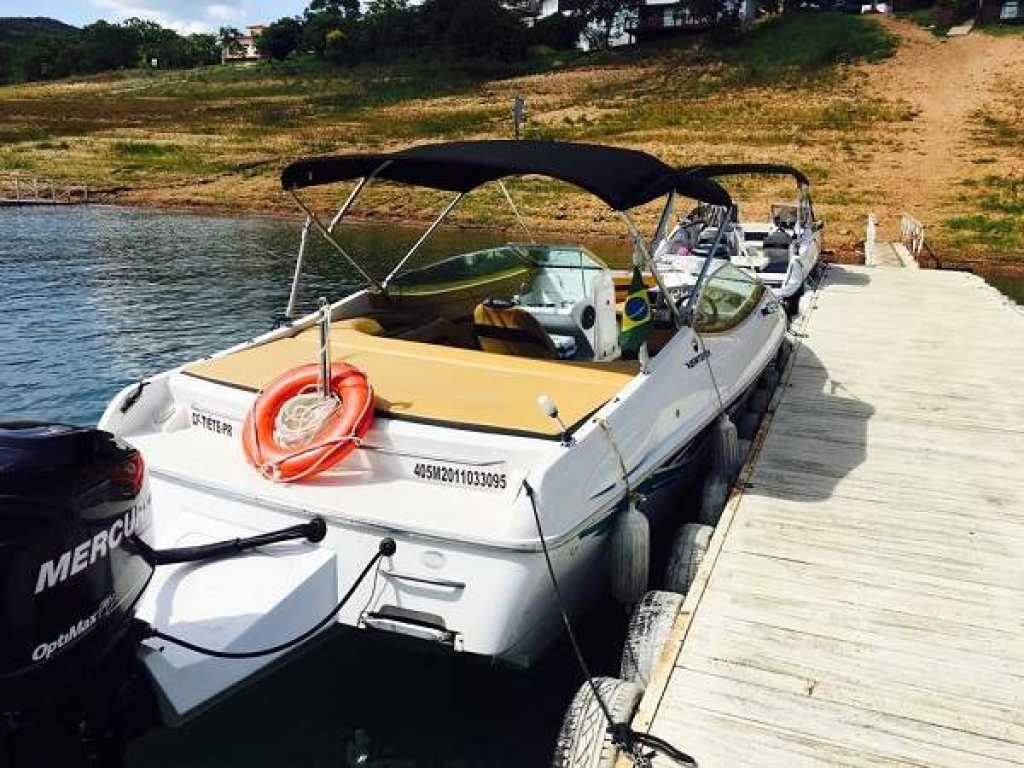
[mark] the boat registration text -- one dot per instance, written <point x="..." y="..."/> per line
<point x="462" y="476"/>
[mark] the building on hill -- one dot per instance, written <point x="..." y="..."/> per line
<point x="1001" y="11"/>
<point x="664" y="18"/>
<point x="246" y="49"/>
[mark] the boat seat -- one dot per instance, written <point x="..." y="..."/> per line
<point x="511" y="330"/>
<point x="440" y="330"/>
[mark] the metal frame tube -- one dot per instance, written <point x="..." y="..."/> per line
<point x="698" y="287"/>
<point x="423" y="238"/>
<point x="515" y="210"/>
<point x="663" y="220"/>
<point x="349" y="201"/>
<point x="330" y="239"/>
<point x="640" y="245"/>
<point x="293" y="296"/>
<point x="325" y="349"/>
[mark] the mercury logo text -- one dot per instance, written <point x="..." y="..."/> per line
<point x="84" y="555"/>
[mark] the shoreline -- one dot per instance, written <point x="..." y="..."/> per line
<point x="839" y="251"/>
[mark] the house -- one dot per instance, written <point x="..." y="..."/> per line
<point x="1001" y="11"/>
<point x="662" y="18"/>
<point x="246" y="49"/>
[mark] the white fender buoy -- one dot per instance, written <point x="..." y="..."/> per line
<point x="744" y="446"/>
<point x="583" y="739"/>
<point x="758" y="400"/>
<point x="712" y="499"/>
<point x="725" y="455"/>
<point x="630" y="555"/>
<point x="805" y="303"/>
<point x="748" y="425"/>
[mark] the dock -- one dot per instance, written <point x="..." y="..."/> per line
<point x="20" y="189"/>
<point x="862" y="600"/>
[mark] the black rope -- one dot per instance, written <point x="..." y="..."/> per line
<point x="621" y="733"/>
<point x="386" y="549"/>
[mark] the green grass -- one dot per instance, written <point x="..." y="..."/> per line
<point x="788" y="46"/>
<point x="924" y="17"/>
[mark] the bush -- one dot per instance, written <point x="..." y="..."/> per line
<point x="281" y="39"/>
<point x="483" y="28"/>
<point x="557" y="31"/>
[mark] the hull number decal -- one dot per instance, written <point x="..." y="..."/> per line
<point x="211" y="423"/>
<point x="460" y="476"/>
<point x="770" y="308"/>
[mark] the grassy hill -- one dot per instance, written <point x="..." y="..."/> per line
<point x="217" y="136"/>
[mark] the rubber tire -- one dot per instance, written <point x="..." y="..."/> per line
<point x="688" y="550"/>
<point x="712" y="498"/>
<point x="583" y="740"/>
<point x="649" y="628"/>
<point x="748" y="425"/>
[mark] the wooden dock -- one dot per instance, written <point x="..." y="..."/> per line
<point x="20" y="189"/>
<point x="862" y="603"/>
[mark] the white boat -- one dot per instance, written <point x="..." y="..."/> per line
<point x="783" y="251"/>
<point x="457" y="354"/>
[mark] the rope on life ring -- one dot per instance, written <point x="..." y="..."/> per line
<point x="340" y="433"/>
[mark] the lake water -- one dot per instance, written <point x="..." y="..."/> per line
<point x="96" y="298"/>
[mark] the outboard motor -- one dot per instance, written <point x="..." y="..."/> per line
<point x="74" y="505"/>
<point x="76" y="554"/>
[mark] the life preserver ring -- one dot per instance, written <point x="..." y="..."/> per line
<point x="335" y="440"/>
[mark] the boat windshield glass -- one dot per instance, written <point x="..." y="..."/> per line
<point x="522" y="262"/>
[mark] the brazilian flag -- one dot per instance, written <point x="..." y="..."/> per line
<point x="637" y="319"/>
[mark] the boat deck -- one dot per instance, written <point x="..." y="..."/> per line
<point x="862" y="603"/>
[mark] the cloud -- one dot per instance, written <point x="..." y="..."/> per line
<point x="184" y="16"/>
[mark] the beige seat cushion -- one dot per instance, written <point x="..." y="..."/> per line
<point x="432" y="383"/>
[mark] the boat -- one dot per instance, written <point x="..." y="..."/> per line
<point x="783" y="251"/>
<point x="502" y="427"/>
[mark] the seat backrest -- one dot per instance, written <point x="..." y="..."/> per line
<point x="511" y="331"/>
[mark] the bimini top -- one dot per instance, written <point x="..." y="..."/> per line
<point x="622" y="178"/>
<point x="714" y="170"/>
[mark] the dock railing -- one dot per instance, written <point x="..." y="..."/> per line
<point x="911" y="234"/>
<point x="27" y="189"/>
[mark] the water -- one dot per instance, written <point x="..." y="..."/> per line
<point x="96" y="298"/>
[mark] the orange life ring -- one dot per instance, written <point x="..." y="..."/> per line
<point x="336" y="439"/>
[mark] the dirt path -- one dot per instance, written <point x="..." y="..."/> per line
<point x="944" y="82"/>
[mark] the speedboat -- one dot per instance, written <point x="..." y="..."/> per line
<point x="782" y="251"/>
<point x="495" y="420"/>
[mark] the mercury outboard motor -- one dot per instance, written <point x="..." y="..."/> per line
<point x="73" y="504"/>
<point x="76" y="555"/>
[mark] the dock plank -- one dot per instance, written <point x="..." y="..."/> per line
<point x="864" y="604"/>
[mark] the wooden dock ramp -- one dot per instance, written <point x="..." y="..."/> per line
<point x="862" y="603"/>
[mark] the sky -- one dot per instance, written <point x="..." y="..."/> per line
<point x="183" y="15"/>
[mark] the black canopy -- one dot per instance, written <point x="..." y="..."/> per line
<point x="713" y="170"/>
<point x="622" y="178"/>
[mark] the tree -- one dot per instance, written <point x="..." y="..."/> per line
<point x="605" y="19"/>
<point x="346" y="9"/>
<point x="480" y="28"/>
<point x="281" y="39"/>
<point x="229" y="40"/>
